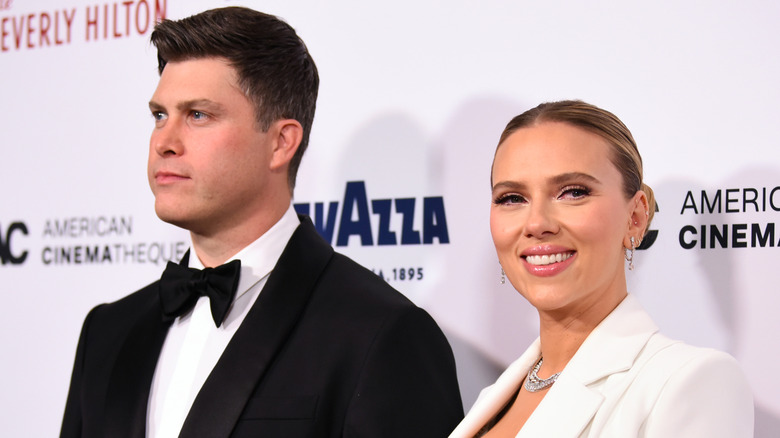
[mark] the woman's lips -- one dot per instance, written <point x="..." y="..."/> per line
<point x="550" y="264"/>
<point x="546" y="259"/>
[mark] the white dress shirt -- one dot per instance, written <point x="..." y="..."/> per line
<point x="194" y="343"/>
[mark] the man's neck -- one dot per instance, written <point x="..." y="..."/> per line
<point x="216" y="248"/>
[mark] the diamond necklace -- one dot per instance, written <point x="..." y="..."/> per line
<point x="534" y="384"/>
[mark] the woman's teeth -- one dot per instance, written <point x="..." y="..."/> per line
<point x="540" y="260"/>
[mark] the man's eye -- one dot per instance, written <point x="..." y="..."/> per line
<point x="197" y="115"/>
<point x="158" y="115"/>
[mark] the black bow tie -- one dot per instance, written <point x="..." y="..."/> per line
<point x="180" y="288"/>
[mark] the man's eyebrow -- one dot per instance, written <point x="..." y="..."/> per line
<point x="188" y="104"/>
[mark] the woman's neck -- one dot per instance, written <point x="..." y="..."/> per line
<point x="562" y="332"/>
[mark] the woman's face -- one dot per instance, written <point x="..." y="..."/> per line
<point x="559" y="218"/>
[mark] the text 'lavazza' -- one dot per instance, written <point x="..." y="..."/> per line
<point x="355" y="219"/>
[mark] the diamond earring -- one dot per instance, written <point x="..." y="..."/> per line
<point x="630" y="254"/>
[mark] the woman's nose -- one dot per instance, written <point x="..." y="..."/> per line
<point x="540" y="220"/>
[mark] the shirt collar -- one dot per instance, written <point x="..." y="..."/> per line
<point x="259" y="257"/>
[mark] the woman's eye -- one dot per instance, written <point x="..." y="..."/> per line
<point x="509" y="199"/>
<point x="574" y="192"/>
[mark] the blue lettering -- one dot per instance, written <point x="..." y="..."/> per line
<point x="325" y="227"/>
<point x="356" y="219"/>
<point x="382" y="208"/>
<point x="355" y="197"/>
<point x="434" y="220"/>
<point x="409" y="236"/>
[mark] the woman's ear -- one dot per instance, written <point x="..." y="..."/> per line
<point x="637" y="221"/>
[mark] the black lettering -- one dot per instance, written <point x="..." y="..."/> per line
<point x="762" y="238"/>
<point x="106" y="255"/>
<point x="650" y="235"/>
<point x="689" y="203"/>
<point x="91" y="254"/>
<point x="722" y="236"/>
<point x="753" y="199"/>
<point x="739" y="236"/>
<point x="730" y="201"/>
<point x="705" y="202"/>
<point x="46" y="256"/>
<point x="772" y="199"/>
<point x="6" y="254"/>
<point x="687" y="244"/>
<point x="64" y="255"/>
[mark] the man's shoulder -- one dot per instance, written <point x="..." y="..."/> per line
<point x="341" y="276"/>
<point x="129" y="306"/>
<point x="363" y="284"/>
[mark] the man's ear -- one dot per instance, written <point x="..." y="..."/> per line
<point x="638" y="218"/>
<point x="287" y="137"/>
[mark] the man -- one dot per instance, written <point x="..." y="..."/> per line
<point x="312" y="344"/>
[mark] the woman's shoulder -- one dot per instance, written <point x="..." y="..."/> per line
<point x="695" y="389"/>
<point x="676" y="389"/>
<point x="675" y="358"/>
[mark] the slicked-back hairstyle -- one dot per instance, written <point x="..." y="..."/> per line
<point x="275" y="70"/>
<point x="625" y="154"/>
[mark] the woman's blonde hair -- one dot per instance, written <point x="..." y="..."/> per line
<point x="625" y="155"/>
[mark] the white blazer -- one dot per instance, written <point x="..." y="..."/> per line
<point x="627" y="380"/>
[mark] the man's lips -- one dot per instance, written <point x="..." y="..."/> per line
<point x="164" y="177"/>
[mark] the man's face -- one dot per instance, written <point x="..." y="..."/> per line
<point x="208" y="161"/>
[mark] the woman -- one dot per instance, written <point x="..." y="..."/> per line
<point x="568" y="207"/>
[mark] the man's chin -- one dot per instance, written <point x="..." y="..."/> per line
<point x="173" y="217"/>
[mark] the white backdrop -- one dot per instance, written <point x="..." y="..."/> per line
<point x="413" y="97"/>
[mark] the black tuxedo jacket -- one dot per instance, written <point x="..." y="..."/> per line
<point x="328" y="350"/>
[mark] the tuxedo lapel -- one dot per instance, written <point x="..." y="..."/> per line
<point x="131" y="378"/>
<point x="278" y="308"/>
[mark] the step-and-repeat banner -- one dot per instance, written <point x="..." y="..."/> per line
<point x="413" y="98"/>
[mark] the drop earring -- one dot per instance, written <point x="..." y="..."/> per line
<point x="630" y="255"/>
<point x="503" y="276"/>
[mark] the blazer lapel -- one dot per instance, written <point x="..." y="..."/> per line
<point x="613" y="346"/>
<point x="577" y="395"/>
<point x="131" y="378"/>
<point x="572" y="402"/>
<point x="565" y="411"/>
<point x="278" y="308"/>
<point x="494" y="397"/>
